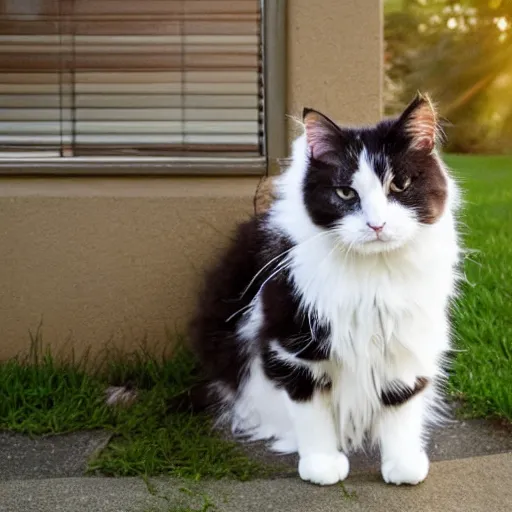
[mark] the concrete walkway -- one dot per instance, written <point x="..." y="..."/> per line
<point x="472" y="472"/>
<point x="479" y="484"/>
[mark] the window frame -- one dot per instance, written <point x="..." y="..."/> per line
<point x="274" y="126"/>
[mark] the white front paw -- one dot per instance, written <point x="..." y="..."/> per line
<point x="407" y="469"/>
<point x="324" y="469"/>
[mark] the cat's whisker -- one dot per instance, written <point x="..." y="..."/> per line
<point x="311" y="340"/>
<point x="284" y="253"/>
<point x="468" y="250"/>
<point x="284" y="266"/>
<point x="310" y="313"/>
<point x="462" y="223"/>
<point x="347" y="250"/>
<point x="286" y="263"/>
<point x="337" y="245"/>
<point x="477" y="263"/>
<point x="241" y="310"/>
<point x="318" y="268"/>
<point x="459" y="350"/>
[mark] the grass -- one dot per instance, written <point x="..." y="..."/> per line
<point x="40" y="396"/>
<point x="348" y="495"/>
<point x="482" y="373"/>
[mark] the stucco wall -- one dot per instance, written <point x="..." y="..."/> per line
<point x="108" y="260"/>
<point x="335" y="59"/>
<point x="99" y="260"/>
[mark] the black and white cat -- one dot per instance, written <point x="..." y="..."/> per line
<point x="325" y="324"/>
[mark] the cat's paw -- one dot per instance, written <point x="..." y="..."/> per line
<point x="408" y="469"/>
<point x="324" y="469"/>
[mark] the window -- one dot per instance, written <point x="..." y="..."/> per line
<point x="113" y="85"/>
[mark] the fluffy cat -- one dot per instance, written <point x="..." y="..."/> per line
<point x="325" y="324"/>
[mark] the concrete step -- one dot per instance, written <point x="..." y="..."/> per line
<point x="476" y="484"/>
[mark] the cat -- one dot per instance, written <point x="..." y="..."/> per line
<point x="325" y="324"/>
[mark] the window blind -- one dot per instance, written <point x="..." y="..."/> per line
<point x="130" y="77"/>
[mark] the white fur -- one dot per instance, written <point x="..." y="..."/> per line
<point x="385" y="299"/>
<point x="404" y="460"/>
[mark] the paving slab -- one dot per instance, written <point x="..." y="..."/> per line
<point x="48" y="456"/>
<point x="67" y="455"/>
<point x="455" y="440"/>
<point x="477" y="484"/>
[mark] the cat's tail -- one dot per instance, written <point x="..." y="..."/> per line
<point x="196" y="399"/>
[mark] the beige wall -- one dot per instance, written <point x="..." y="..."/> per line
<point x="100" y="260"/>
<point x="335" y="59"/>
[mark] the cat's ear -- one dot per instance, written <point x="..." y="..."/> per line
<point x="323" y="136"/>
<point x="419" y="122"/>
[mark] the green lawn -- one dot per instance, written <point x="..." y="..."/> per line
<point x="482" y="374"/>
<point x="41" y="396"/>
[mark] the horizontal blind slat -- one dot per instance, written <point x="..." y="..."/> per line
<point x="49" y="139"/>
<point x="239" y="25"/>
<point x="117" y="77"/>
<point x="151" y="61"/>
<point x="127" y="101"/>
<point x="137" y="88"/>
<point x="53" y="42"/>
<point x="19" y="8"/>
<point x="190" y="7"/>
<point x="132" y="114"/>
<point x="125" y="126"/>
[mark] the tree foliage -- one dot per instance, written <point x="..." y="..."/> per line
<point x="461" y="53"/>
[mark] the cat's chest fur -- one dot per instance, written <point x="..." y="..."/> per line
<point x="379" y="309"/>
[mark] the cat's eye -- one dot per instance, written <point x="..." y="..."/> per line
<point x="346" y="193"/>
<point x="400" y="187"/>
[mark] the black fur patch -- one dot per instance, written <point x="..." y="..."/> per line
<point x="323" y="204"/>
<point x="397" y="393"/>
<point x="298" y="381"/>
<point x="286" y="323"/>
<point x="222" y="301"/>
<point x="214" y="337"/>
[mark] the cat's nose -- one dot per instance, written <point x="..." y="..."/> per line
<point x="377" y="229"/>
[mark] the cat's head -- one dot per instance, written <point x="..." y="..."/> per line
<point x="374" y="187"/>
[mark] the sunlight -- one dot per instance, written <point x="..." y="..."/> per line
<point x="502" y="23"/>
<point x="452" y="23"/>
